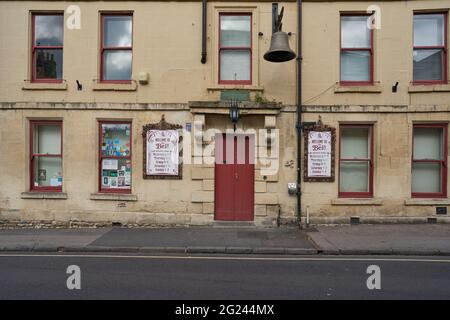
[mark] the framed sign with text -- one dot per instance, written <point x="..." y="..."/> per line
<point x="319" y="152"/>
<point x="161" y="150"/>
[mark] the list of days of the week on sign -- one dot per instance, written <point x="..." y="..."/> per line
<point x="319" y="154"/>
<point x="162" y="152"/>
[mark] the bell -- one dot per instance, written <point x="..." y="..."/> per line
<point x="279" y="50"/>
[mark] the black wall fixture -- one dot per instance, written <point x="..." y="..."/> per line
<point x="394" y="87"/>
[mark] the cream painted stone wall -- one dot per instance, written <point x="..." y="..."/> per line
<point x="167" y="45"/>
<point x="186" y="201"/>
<point x="392" y="170"/>
<point x="393" y="45"/>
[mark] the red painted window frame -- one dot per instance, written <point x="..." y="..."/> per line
<point x="35" y="47"/>
<point x="33" y="155"/>
<point x="103" y="48"/>
<point x="444" y="48"/>
<point x="443" y="161"/>
<point x="250" y="49"/>
<point x="369" y="49"/>
<point x="368" y="194"/>
<point x="101" y="157"/>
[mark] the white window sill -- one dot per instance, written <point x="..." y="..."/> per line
<point x="429" y="88"/>
<point x="44" y="195"/>
<point x="356" y="202"/>
<point x="248" y="87"/>
<point x="376" y="88"/>
<point x="427" y="202"/>
<point x="114" y="196"/>
<point x="115" y="86"/>
<point x="44" y="86"/>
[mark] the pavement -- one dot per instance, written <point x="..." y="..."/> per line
<point x="394" y="239"/>
<point x="159" y="240"/>
<point x="418" y="239"/>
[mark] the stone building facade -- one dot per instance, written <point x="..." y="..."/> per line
<point x="80" y="82"/>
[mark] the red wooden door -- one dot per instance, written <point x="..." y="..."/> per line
<point x="234" y="177"/>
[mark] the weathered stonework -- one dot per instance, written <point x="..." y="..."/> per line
<point x="188" y="92"/>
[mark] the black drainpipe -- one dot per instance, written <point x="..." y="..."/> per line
<point x="203" y="31"/>
<point x="299" y="112"/>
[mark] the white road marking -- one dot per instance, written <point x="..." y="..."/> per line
<point x="222" y="258"/>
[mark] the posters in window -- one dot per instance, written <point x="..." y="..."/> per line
<point x="110" y="164"/>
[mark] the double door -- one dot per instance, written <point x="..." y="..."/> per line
<point x="234" y="177"/>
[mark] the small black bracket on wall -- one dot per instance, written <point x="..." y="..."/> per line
<point x="394" y="87"/>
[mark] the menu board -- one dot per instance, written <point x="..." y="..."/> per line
<point x="162" y="152"/>
<point x="319" y="154"/>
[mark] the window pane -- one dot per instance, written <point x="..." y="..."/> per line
<point x="235" y="65"/>
<point x="116" y="140"/>
<point x="48" y="63"/>
<point x="355" y="143"/>
<point x="47" y="139"/>
<point x="117" y="65"/>
<point x="235" y="31"/>
<point x="117" y="31"/>
<point x="354" y="32"/>
<point x="116" y="174"/>
<point x="428" y="30"/>
<point x="48" y="30"/>
<point x="354" y="177"/>
<point x="428" y="143"/>
<point x="355" y="66"/>
<point x="426" y="177"/>
<point x="427" y="65"/>
<point x="47" y="172"/>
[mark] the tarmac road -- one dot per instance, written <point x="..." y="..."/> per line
<point x="40" y="276"/>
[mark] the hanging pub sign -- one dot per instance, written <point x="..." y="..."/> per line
<point x="161" y="150"/>
<point x="319" y="152"/>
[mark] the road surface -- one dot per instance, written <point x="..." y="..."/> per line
<point x="38" y="276"/>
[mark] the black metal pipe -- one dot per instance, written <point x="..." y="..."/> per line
<point x="299" y="112"/>
<point x="203" y="60"/>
